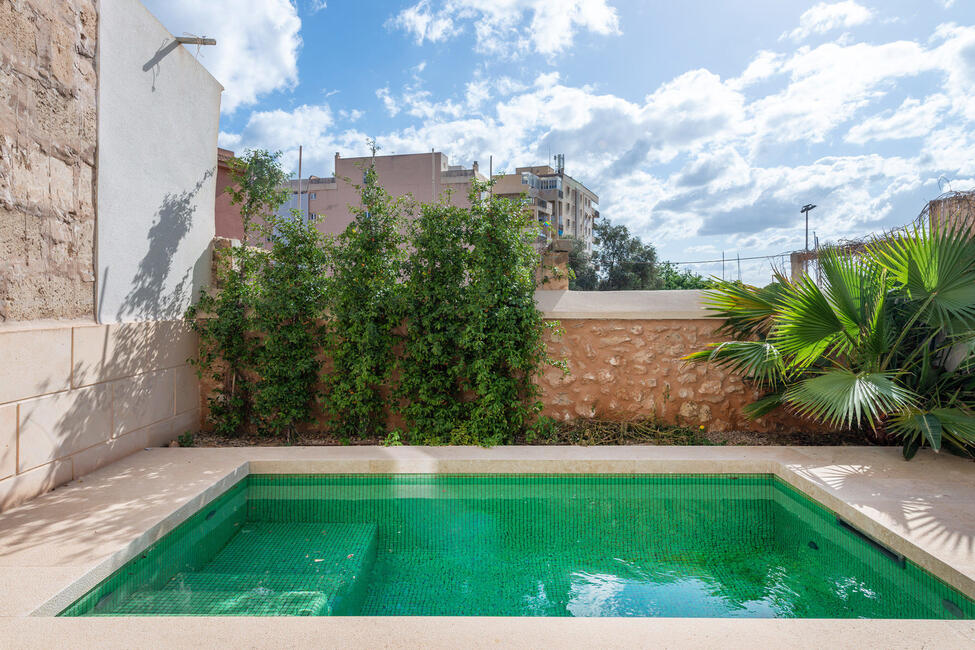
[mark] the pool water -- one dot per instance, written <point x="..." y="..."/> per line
<point x="519" y="545"/>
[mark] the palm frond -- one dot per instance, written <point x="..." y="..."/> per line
<point x="952" y="427"/>
<point x="807" y="325"/>
<point x="936" y="268"/>
<point x="746" y="310"/>
<point x="764" y="406"/>
<point x="841" y="397"/>
<point x="758" y="361"/>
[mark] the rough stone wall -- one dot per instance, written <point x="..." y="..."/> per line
<point x="552" y="273"/>
<point x="47" y="158"/>
<point x="957" y="210"/>
<point x="622" y="369"/>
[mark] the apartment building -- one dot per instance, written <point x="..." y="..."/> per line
<point x="427" y="177"/>
<point x="564" y="206"/>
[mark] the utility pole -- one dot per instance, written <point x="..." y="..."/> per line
<point x="299" y="178"/>
<point x="805" y="210"/>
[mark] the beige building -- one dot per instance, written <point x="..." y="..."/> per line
<point x="557" y="199"/>
<point x="428" y="177"/>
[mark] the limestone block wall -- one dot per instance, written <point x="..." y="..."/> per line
<point x="76" y="395"/>
<point x="47" y="158"/>
<point x="75" y="398"/>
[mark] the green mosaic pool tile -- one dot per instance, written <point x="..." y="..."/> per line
<point x="297" y="548"/>
<point x="185" y="548"/>
<point x="810" y="533"/>
<point x="528" y="545"/>
<point x="291" y="570"/>
<point x="256" y="602"/>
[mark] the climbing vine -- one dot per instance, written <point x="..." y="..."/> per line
<point x="289" y="304"/>
<point x="435" y="321"/>
<point x="223" y="315"/>
<point x="222" y="320"/>
<point x="364" y="308"/>
<point x="432" y="367"/>
<point x="503" y="339"/>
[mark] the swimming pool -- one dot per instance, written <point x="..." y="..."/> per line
<point x="685" y="545"/>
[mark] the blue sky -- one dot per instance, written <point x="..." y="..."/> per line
<point x="703" y="125"/>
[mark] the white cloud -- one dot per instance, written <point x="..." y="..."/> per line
<point x="257" y="43"/>
<point x="388" y="102"/>
<point x="508" y="27"/>
<point x="423" y="23"/>
<point x="825" y="17"/>
<point x="700" y="159"/>
<point x="312" y="127"/>
<point x="352" y="115"/>
<point x="912" y="119"/>
<point x="764" y="65"/>
<point x="317" y="5"/>
<point x="829" y="84"/>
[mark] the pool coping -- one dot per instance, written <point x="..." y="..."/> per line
<point x="56" y="547"/>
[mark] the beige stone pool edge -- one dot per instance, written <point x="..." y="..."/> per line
<point x="56" y="547"/>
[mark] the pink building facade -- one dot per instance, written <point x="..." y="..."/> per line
<point x="427" y="177"/>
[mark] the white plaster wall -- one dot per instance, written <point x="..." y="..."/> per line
<point x="158" y="117"/>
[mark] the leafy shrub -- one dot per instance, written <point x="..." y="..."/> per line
<point x="223" y="316"/>
<point x="435" y="291"/>
<point x="364" y="308"/>
<point x="502" y="341"/>
<point x="224" y="324"/>
<point x="289" y="303"/>
<point x="454" y="319"/>
<point x="885" y="345"/>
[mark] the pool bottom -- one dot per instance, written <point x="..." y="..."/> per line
<point x="519" y="545"/>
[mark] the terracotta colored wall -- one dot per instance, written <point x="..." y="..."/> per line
<point x="623" y="369"/>
<point x="47" y="159"/>
<point x="226" y="215"/>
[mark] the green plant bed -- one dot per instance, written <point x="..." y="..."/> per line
<point x="576" y="432"/>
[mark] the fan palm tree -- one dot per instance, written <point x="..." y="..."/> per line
<point x="885" y="343"/>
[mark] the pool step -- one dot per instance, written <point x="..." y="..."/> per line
<point x="270" y="569"/>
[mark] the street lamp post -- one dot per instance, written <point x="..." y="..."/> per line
<point x="805" y="210"/>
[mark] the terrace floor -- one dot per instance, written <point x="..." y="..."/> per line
<point x="56" y="547"/>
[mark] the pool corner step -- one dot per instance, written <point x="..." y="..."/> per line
<point x="271" y="569"/>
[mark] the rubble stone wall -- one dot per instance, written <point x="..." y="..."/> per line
<point x="626" y="369"/>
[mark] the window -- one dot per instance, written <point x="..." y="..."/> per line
<point x="314" y="195"/>
<point x="552" y="183"/>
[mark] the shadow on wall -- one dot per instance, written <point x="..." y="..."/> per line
<point x="153" y="63"/>
<point x="126" y="376"/>
<point x="149" y="297"/>
<point x="125" y="382"/>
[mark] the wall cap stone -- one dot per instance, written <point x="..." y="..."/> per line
<point x="657" y="305"/>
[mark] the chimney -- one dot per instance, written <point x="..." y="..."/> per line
<point x="475" y="166"/>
